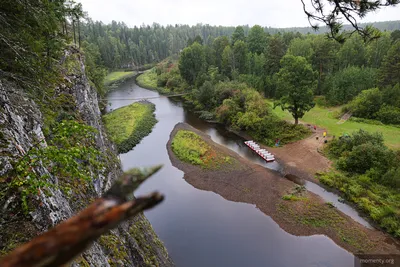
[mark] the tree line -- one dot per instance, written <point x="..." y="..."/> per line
<point x="121" y="46"/>
<point x="33" y="36"/>
<point x="230" y="79"/>
<point x="293" y="68"/>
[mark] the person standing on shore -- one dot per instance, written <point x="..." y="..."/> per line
<point x="324" y="134"/>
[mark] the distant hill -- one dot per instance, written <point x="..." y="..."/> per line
<point x="382" y="25"/>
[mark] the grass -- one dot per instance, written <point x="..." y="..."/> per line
<point x="308" y="213"/>
<point x="118" y="76"/>
<point x="326" y="118"/>
<point x="190" y="148"/>
<point x="380" y="203"/>
<point x="148" y="80"/>
<point x="128" y="125"/>
<point x="292" y="197"/>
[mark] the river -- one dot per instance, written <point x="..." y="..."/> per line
<point x="200" y="228"/>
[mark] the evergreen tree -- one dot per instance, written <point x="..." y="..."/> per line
<point x="390" y="71"/>
<point x="238" y="35"/>
<point x="257" y="39"/>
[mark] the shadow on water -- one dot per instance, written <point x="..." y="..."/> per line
<point x="200" y="228"/>
<point x="236" y="143"/>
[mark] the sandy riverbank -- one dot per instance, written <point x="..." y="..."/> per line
<point x="309" y="215"/>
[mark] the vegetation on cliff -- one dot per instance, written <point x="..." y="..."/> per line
<point x="128" y="125"/>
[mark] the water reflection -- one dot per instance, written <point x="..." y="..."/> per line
<point x="200" y="228"/>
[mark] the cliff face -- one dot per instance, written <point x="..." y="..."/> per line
<point x="133" y="243"/>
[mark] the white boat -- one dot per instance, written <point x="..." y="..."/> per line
<point x="263" y="153"/>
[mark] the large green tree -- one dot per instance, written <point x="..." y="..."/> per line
<point x="228" y="62"/>
<point x="295" y="84"/>
<point x="377" y="50"/>
<point x="257" y="39"/>
<point x="323" y="58"/>
<point x="240" y="56"/>
<point x="238" y="35"/>
<point x="301" y="47"/>
<point x="275" y="50"/>
<point x="352" y="53"/>
<point x="390" y="69"/>
<point x="192" y="62"/>
<point x="219" y="45"/>
<point x="344" y="85"/>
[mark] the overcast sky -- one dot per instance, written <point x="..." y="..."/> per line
<point x="273" y="13"/>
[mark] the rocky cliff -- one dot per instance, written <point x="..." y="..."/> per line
<point x="22" y="129"/>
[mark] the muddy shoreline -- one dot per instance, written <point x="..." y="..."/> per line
<point x="253" y="184"/>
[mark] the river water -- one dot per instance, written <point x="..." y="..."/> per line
<point x="200" y="228"/>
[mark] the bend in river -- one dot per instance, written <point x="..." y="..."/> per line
<point x="201" y="228"/>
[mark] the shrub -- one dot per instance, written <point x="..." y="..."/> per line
<point x="346" y="143"/>
<point x="389" y="114"/>
<point x="367" y="103"/>
<point x="365" y="157"/>
<point x="391" y="178"/>
<point x="362" y="120"/>
<point x="189" y="147"/>
<point x="162" y="79"/>
<point x="391" y="95"/>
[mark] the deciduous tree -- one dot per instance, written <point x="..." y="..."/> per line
<point x="295" y="83"/>
<point x="192" y="62"/>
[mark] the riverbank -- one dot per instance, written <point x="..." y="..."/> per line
<point x="113" y="79"/>
<point x="303" y="158"/>
<point x="302" y="213"/>
<point x="148" y="80"/>
<point x="128" y="125"/>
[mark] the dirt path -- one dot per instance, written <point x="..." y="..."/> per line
<point x="309" y="215"/>
<point x="303" y="158"/>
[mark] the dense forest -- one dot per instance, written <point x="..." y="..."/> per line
<point x="237" y="79"/>
<point x="233" y="74"/>
<point x="338" y="72"/>
<point x="121" y="46"/>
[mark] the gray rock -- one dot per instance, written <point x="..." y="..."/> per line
<point x="21" y="126"/>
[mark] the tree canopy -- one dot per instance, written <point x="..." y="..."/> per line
<point x="192" y="62"/>
<point x="32" y="37"/>
<point x="295" y="84"/>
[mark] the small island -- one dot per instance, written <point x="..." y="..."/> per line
<point x="128" y="125"/>
<point x="211" y="167"/>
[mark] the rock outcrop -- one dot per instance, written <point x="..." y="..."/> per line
<point x="133" y="243"/>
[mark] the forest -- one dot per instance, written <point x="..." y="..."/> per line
<point x="235" y="79"/>
<point x="232" y="75"/>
